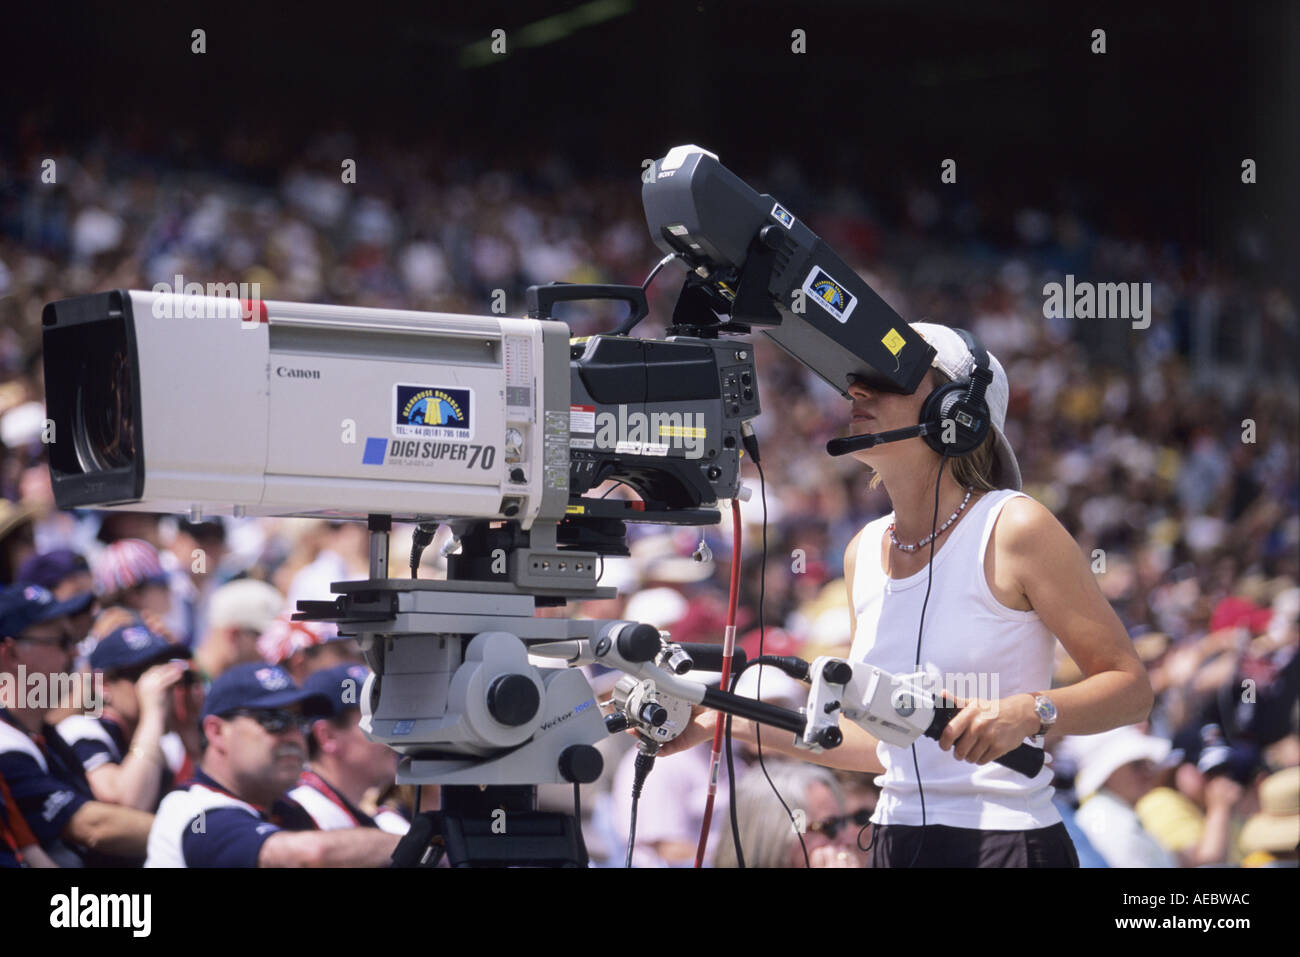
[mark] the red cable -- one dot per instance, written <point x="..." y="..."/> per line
<point x="728" y="646"/>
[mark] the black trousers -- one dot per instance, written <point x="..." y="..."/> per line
<point x="894" y="845"/>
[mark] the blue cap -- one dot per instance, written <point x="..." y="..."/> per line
<point x="258" y="685"/>
<point x="51" y="568"/>
<point x="22" y="606"/>
<point x="341" y="685"/>
<point x="134" y="645"/>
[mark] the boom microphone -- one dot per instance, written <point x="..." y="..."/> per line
<point x="856" y="443"/>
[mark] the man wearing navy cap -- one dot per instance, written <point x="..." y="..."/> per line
<point x="128" y="751"/>
<point x="41" y="771"/>
<point x="345" y="764"/>
<point x="235" y="814"/>
<point x="66" y="574"/>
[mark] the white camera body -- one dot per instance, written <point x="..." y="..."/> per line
<point x="279" y="408"/>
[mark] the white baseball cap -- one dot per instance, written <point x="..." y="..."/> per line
<point x="245" y="603"/>
<point x="954" y="359"/>
<point x="1104" y="754"/>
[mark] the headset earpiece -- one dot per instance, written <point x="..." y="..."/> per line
<point x="961" y="402"/>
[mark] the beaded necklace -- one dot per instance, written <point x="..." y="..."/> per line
<point x="942" y="528"/>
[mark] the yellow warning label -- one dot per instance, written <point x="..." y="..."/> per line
<point x="575" y="509"/>
<point x="684" y="431"/>
<point x="894" y="342"/>
<point x="575" y="340"/>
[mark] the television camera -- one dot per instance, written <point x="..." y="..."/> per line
<point x="495" y="427"/>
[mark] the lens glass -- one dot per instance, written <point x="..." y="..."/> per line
<point x="104" y="429"/>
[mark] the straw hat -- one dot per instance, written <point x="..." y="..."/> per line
<point x="14" y="514"/>
<point x="1277" y="825"/>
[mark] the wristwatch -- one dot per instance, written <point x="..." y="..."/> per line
<point x="1046" y="712"/>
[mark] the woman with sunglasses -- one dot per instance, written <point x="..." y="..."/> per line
<point x="766" y="836"/>
<point x="996" y="580"/>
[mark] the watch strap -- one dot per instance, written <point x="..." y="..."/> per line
<point x="1044" y="725"/>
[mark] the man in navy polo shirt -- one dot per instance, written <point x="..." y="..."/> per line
<point x="129" y="751"/>
<point x="41" y="771"/>
<point x="345" y="764"/>
<point x="235" y="814"/>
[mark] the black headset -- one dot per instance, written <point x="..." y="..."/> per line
<point x="962" y="402"/>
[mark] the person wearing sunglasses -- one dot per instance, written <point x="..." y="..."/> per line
<point x="43" y="774"/>
<point x="131" y="751"/>
<point x="848" y="823"/>
<point x="237" y="812"/>
<point x="345" y="766"/>
<point x="770" y="837"/>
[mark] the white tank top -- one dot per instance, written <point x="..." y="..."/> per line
<point x="980" y="647"/>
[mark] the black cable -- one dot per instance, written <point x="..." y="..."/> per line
<point x="788" y="665"/>
<point x="929" y="580"/>
<point x="858" y="840"/>
<point x="762" y="596"/>
<point x="796" y="668"/>
<point x="731" y="767"/>
<point x="627" y="325"/>
<point x="751" y="444"/>
<point x="658" y="266"/>
<point x="617" y="483"/>
<point x="643" y="765"/>
<point x="420" y="540"/>
<point x="631" y="836"/>
<point x="601" y="557"/>
<point x="731" y="796"/>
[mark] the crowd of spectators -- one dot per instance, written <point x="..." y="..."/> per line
<point x="1169" y="452"/>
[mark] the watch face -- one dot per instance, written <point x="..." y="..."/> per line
<point x="1046" y="710"/>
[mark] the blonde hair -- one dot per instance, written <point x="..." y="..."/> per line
<point x="766" y="834"/>
<point x="975" y="470"/>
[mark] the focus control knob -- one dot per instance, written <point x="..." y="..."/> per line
<point x="838" y="672"/>
<point x="513" y="699"/>
<point x="639" y="643"/>
<point x="654" y="714"/>
<point x="581" y="763"/>
<point x="831" y="737"/>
